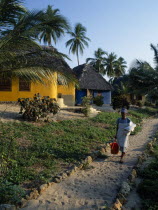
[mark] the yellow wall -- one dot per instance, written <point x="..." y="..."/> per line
<point x="50" y="89"/>
<point x="68" y="94"/>
<point x="66" y="90"/>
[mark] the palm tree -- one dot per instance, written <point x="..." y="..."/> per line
<point x="18" y="41"/>
<point x="98" y="60"/>
<point x="110" y="64"/>
<point x="9" y="11"/>
<point x="55" y="27"/>
<point x="78" y="41"/>
<point x="120" y="67"/>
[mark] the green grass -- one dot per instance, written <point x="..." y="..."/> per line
<point x="31" y="154"/>
<point x="148" y="188"/>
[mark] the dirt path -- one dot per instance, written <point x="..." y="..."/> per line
<point x="96" y="187"/>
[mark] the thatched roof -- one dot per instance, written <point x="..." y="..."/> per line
<point x="90" y="79"/>
<point x="45" y="57"/>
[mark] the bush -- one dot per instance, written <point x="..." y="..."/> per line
<point x="148" y="103"/>
<point x="139" y="103"/>
<point x="10" y="193"/>
<point x="119" y="102"/>
<point x="37" y="107"/>
<point x="133" y="101"/>
<point x="86" y="101"/>
<point x="98" y="100"/>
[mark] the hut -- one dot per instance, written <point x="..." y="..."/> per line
<point x="91" y="83"/>
<point x="13" y="87"/>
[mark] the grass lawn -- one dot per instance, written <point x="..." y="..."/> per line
<point x="31" y="154"/>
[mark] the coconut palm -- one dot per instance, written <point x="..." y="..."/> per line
<point x="98" y="60"/>
<point x="10" y="10"/>
<point x="144" y="77"/>
<point x="56" y="27"/>
<point x="78" y="41"/>
<point x="120" y="67"/>
<point x="110" y="64"/>
<point x="18" y="42"/>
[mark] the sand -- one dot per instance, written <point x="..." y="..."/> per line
<point x="93" y="188"/>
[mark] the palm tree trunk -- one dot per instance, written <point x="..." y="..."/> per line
<point x="77" y="57"/>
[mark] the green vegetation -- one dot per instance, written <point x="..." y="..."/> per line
<point x="148" y="188"/>
<point x="30" y="154"/>
<point x="19" y="29"/>
<point x="108" y="64"/>
<point x="38" y="107"/>
<point x="98" y="100"/>
<point x="78" y="40"/>
<point x="119" y="101"/>
<point x="86" y="104"/>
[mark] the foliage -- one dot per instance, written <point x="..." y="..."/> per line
<point x="119" y="101"/>
<point x="31" y="154"/>
<point x="19" y="30"/>
<point x="10" y="193"/>
<point x="144" y="77"/>
<point x="114" y="67"/>
<point x="148" y="188"/>
<point x="139" y="103"/>
<point x="78" y="41"/>
<point x="86" y="101"/>
<point x="108" y="64"/>
<point x="38" y="107"/>
<point x="148" y="103"/>
<point x="54" y="30"/>
<point x="98" y="60"/>
<point x="98" y="100"/>
<point x="121" y="85"/>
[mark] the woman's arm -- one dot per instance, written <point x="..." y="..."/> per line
<point x="116" y="131"/>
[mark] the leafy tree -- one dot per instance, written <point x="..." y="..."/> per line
<point x="98" y="60"/>
<point x="78" y="41"/>
<point x="19" y="30"/>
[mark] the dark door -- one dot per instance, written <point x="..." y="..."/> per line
<point x="79" y="95"/>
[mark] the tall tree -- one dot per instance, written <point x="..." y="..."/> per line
<point x="10" y="10"/>
<point x="110" y="64"/>
<point x="18" y="41"/>
<point x="78" y="41"/>
<point x="98" y="60"/>
<point x="120" y="67"/>
<point x="144" y="77"/>
<point x="55" y="27"/>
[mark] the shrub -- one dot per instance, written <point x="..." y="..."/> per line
<point x="133" y="101"/>
<point x="98" y="100"/>
<point x="119" y="102"/>
<point x="139" y="103"/>
<point x="86" y="101"/>
<point x="37" y="107"/>
<point x="156" y="103"/>
<point x="10" y="193"/>
<point x="148" y="103"/>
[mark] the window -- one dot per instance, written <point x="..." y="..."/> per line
<point x="5" y="84"/>
<point x="24" y="85"/>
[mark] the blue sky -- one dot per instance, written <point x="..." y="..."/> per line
<point x="126" y="27"/>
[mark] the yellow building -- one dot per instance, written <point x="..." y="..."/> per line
<point x="12" y="89"/>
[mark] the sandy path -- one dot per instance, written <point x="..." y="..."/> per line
<point x="96" y="187"/>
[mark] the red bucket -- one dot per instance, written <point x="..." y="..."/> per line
<point x="114" y="148"/>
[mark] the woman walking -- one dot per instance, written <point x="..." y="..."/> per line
<point x="124" y="127"/>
